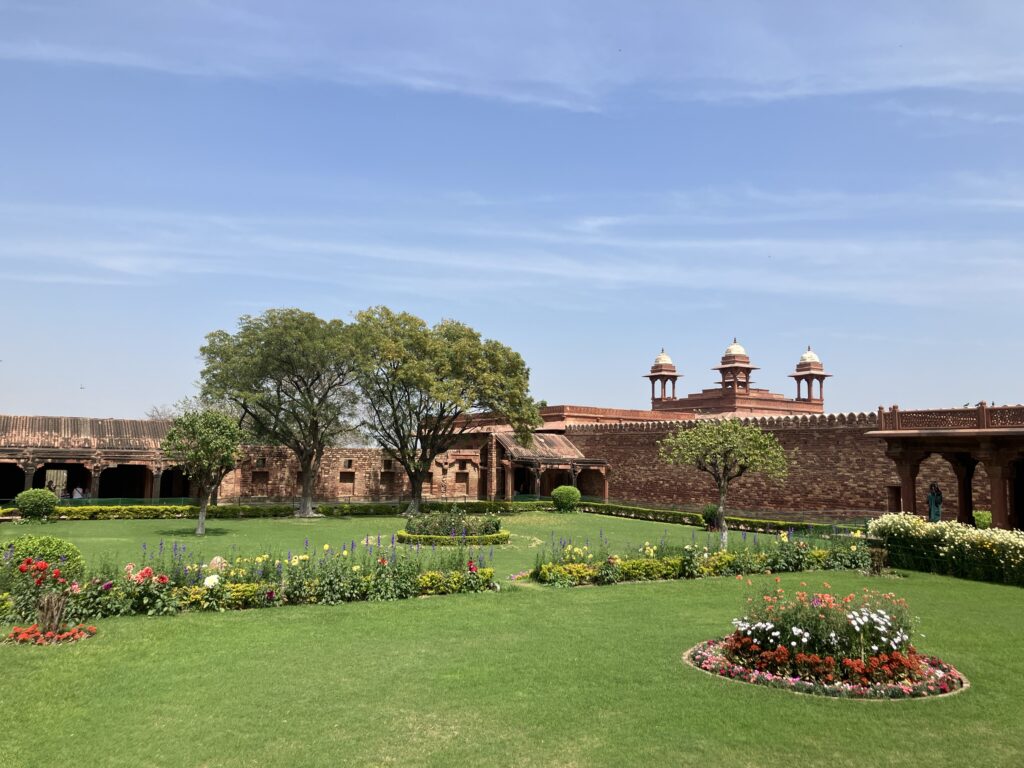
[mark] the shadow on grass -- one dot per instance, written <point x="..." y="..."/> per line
<point x="189" y="532"/>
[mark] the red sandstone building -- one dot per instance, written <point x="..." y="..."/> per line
<point x="840" y="464"/>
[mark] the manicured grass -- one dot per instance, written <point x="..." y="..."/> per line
<point x="122" y="540"/>
<point x="534" y="677"/>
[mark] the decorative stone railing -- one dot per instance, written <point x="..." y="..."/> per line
<point x="981" y="417"/>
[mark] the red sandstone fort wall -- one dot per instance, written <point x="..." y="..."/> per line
<point x="833" y="466"/>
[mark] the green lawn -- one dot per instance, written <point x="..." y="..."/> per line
<point x="122" y="540"/>
<point x="536" y="677"/>
<point x="533" y="676"/>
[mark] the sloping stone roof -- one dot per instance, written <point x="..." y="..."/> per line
<point x="71" y="432"/>
<point x="546" y="445"/>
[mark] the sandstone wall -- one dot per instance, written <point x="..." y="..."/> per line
<point x="833" y="467"/>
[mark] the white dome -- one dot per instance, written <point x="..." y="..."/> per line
<point x="663" y="359"/>
<point x="735" y="349"/>
<point x="809" y="357"/>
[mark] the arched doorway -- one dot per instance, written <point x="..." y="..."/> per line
<point x="125" y="481"/>
<point x="174" y="484"/>
<point x="12" y="481"/>
<point x="63" y="478"/>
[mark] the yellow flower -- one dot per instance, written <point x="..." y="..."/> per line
<point x="326" y="547"/>
<point x="294" y="561"/>
<point x="853" y="547"/>
<point x="303" y="557"/>
<point x="355" y="569"/>
<point x="784" y="536"/>
<point x="344" y="553"/>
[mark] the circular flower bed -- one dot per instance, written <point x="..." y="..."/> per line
<point x="460" y="540"/>
<point x="852" y="646"/>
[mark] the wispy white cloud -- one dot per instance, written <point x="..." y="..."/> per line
<point x="903" y="269"/>
<point x="571" y="54"/>
<point x="945" y="112"/>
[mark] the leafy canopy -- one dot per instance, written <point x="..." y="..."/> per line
<point x="289" y="373"/>
<point x="422" y="385"/>
<point x="726" y="449"/>
<point x="206" y="445"/>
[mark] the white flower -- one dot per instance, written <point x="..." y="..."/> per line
<point x="211" y="581"/>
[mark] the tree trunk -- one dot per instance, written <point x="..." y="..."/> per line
<point x="204" y="502"/>
<point x="415" y="493"/>
<point x="723" y="529"/>
<point x="308" y="483"/>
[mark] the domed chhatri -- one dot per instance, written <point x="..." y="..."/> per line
<point x="809" y="371"/>
<point x="663" y="373"/>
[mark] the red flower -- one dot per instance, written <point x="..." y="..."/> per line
<point x="39" y="581"/>
<point x="145" y="573"/>
<point x="472" y="566"/>
<point x="56" y="573"/>
<point x="41" y="565"/>
<point x="383" y="561"/>
<point x="162" y="579"/>
<point x="23" y="568"/>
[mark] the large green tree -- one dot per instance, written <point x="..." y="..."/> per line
<point x="725" y="449"/>
<point x="290" y="376"/>
<point x="423" y="387"/>
<point x="205" y="443"/>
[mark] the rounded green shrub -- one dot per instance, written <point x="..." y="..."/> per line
<point x="36" y="502"/>
<point x="565" y="498"/>
<point x="48" y="548"/>
<point x="982" y="518"/>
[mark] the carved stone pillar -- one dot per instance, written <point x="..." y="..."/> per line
<point x="158" y="473"/>
<point x="907" y="467"/>
<point x="509" y="473"/>
<point x="604" y="477"/>
<point x="30" y="474"/>
<point x="998" y="473"/>
<point x="94" y="489"/>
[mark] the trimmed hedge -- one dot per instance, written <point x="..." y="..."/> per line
<point x="173" y="512"/>
<point x="697" y="518"/>
<point x="404" y="537"/>
<point x="35" y="502"/>
<point x="692" y="562"/>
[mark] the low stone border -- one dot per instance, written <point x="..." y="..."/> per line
<point x="703" y="657"/>
<point x="425" y="539"/>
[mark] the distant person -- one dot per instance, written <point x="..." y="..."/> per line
<point x="934" y="503"/>
<point x="78" y="493"/>
<point x="51" y="487"/>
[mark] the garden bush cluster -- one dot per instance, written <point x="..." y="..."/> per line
<point x="168" y="581"/>
<point x="35" y="503"/>
<point x="952" y="549"/>
<point x="453" y="528"/>
<point x="572" y="565"/>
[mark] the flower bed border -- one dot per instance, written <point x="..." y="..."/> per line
<point x="722" y="668"/>
<point x="404" y="537"/>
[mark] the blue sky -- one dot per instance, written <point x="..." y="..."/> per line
<point x="585" y="181"/>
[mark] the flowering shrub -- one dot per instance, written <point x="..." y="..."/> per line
<point x="815" y="635"/>
<point x="951" y="548"/>
<point x="49" y="548"/>
<point x="148" y="592"/>
<point x="852" y="645"/>
<point x="34" y="635"/>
